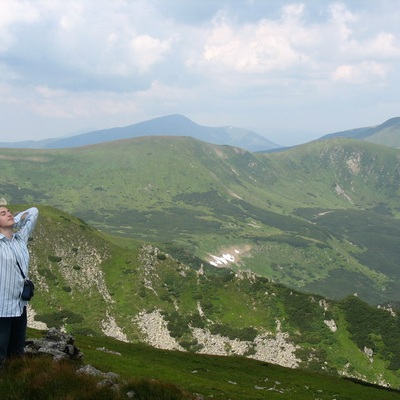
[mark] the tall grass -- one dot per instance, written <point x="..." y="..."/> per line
<point x="145" y="373"/>
<point x="40" y="378"/>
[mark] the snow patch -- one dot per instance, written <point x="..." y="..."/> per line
<point x="223" y="260"/>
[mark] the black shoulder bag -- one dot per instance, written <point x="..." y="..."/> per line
<point x="29" y="287"/>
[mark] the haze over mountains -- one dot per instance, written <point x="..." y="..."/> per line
<point x="172" y="125"/>
<point x="387" y="133"/>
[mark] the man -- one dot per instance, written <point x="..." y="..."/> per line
<point x="14" y="257"/>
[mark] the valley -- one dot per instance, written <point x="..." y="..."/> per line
<point x="189" y="246"/>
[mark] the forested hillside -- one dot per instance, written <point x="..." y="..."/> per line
<point x="88" y="283"/>
<point x="321" y="218"/>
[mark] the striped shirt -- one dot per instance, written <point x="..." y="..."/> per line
<point x="11" y="251"/>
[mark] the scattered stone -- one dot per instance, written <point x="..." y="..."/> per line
<point x="61" y="347"/>
<point x="369" y="352"/>
<point x="331" y="324"/>
<point x="90" y="370"/>
<point x="108" y="351"/>
<point x="109" y="378"/>
<point x="55" y="343"/>
<point x="155" y="328"/>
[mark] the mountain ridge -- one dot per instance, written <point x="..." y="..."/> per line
<point x="307" y="241"/>
<point x="170" y="125"/>
<point x="387" y="133"/>
<point x="303" y="218"/>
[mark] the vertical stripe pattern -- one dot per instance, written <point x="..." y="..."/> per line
<point x="11" y="250"/>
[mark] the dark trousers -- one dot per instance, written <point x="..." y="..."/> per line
<point x="12" y="336"/>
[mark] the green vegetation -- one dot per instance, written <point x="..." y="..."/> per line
<point x="114" y="284"/>
<point x="59" y="318"/>
<point x="375" y="329"/>
<point x="159" y="374"/>
<point x="132" y="235"/>
<point x="32" y="378"/>
<point x="335" y="201"/>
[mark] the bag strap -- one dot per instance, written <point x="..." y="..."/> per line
<point x="23" y="275"/>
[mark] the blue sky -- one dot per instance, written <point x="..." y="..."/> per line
<point x="291" y="71"/>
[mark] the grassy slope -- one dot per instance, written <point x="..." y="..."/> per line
<point x="207" y="199"/>
<point x="165" y="372"/>
<point x="82" y="276"/>
<point x="223" y="377"/>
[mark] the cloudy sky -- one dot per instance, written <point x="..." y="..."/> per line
<point x="289" y="70"/>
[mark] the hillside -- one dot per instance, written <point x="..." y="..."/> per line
<point x="171" y="125"/>
<point x="92" y="284"/>
<point x="155" y="374"/>
<point x="387" y="133"/>
<point x="320" y="218"/>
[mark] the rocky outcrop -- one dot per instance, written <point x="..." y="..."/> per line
<point x="276" y="349"/>
<point x="154" y="328"/>
<point x="110" y="328"/>
<point x="60" y="346"/>
<point x="108" y="379"/>
<point x="267" y="347"/>
<point x="56" y="344"/>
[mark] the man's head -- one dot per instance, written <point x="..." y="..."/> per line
<point x="6" y="219"/>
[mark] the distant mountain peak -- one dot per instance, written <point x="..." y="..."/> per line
<point x="169" y="125"/>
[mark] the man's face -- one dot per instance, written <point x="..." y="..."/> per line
<point x="6" y="218"/>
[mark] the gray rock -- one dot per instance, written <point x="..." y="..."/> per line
<point x="55" y="343"/>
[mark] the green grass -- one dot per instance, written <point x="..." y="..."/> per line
<point x="38" y="377"/>
<point x="170" y="375"/>
<point x="114" y="279"/>
<point x="205" y="198"/>
<point x="191" y="199"/>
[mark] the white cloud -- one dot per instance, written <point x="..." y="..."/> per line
<point x="383" y="46"/>
<point x="366" y="72"/>
<point x="259" y="47"/>
<point x="14" y="13"/>
<point x="109" y="43"/>
<point x="149" y="50"/>
<point x="251" y="49"/>
<point x="100" y="61"/>
<point x="274" y="51"/>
